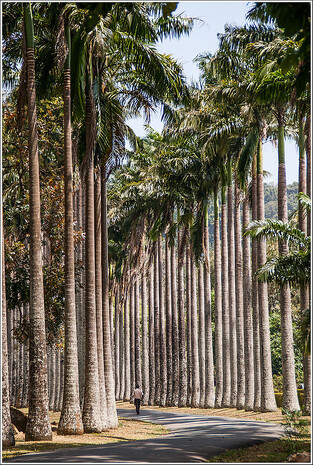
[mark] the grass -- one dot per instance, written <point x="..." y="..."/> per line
<point x="131" y="430"/>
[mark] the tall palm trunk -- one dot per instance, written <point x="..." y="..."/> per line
<point x="112" y="421"/>
<point x="145" y="347"/>
<point x="225" y="306"/>
<point x="303" y="225"/>
<point x="290" y="396"/>
<point x="80" y="313"/>
<point x="98" y="266"/>
<point x="231" y="289"/>
<point x="38" y="424"/>
<point x="137" y="334"/>
<point x="181" y="325"/>
<point x="163" y="374"/>
<point x="70" y="419"/>
<point x="255" y="294"/>
<point x="239" y="304"/>
<point x="117" y="342"/>
<point x="168" y="309"/>
<point x="218" y="311"/>
<point x="156" y="295"/>
<point x="122" y="354"/>
<point x="201" y="334"/>
<point x="195" y="394"/>
<point x="209" y="396"/>
<point x="132" y="337"/>
<point x="151" y="337"/>
<point x="268" y="402"/>
<point x="91" y="409"/>
<point x="175" y="336"/>
<point x="127" y="351"/>
<point x="248" y="324"/>
<point x="8" y="438"/>
<point x="188" y="325"/>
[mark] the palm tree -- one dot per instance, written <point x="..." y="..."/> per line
<point x="38" y="424"/>
<point x="70" y="420"/>
<point x="145" y="348"/>
<point x="168" y="309"/>
<point x="231" y="288"/>
<point x="248" y="323"/>
<point x="175" y="330"/>
<point x="219" y="324"/>
<point x="8" y="438"/>
<point x="181" y="324"/>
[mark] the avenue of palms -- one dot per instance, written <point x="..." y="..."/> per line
<point x="149" y="260"/>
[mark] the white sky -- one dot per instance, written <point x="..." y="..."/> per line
<point x="203" y="38"/>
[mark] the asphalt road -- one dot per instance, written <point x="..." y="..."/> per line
<point x="192" y="438"/>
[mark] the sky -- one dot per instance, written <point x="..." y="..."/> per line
<point x="203" y="38"/>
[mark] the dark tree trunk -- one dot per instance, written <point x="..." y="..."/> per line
<point x="117" y="343"/>
<point x="156" y="295"/>
<point x="137" y="334"/>
<point x="127" y="391"/>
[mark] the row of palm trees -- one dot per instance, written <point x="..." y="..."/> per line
<point x="112" y="45"/>
<point x="211" y="148"/>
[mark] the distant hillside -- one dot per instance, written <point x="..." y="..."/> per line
<point x="270" y="199"/>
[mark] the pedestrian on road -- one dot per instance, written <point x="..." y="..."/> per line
<point x="138" y="395"/>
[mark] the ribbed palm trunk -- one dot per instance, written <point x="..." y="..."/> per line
<point x="181" y="324"/>
<point x="255" y="295"/>
<point x="225" y="305"/>
<point x="304" y="289"/>
<point x="247" y="313"/>
<point x="239" y="303"/>
<point x="112" y="421"/>
<point x="9" y="348"/>
<point x="195" y="394"/>
<point x="290" y="396"/>
<point x="168" y="311"/>
<point x="145" y="345"/>
<point x="163" y="367"/>
<point x="201" y="334"/>
<point x="98" y="264"/>
<point x="209" y="394"/>
<point x="8" y="439"/>
<point x="91" y="408"/>
<point x="132" y="338"/>
<point x="231" y="289"/>
<point x="61" y="381"/>
<point x="117" y="343"/>
<point x="268" y="402"/>
<point x="122" y="354"/>
<point x="70" y="419"/>
<point x="57" y="379"/>
<point x="151" y="337"/>
<point x="38" y="425"/>
<point x="156" y="295"/>
<point x="218" y="311"/>
<point x="127" y="351"/>
<point x="80" y="313"/>
<point x="137" y="334"/>
<point x="188" y="326"/>
<point x="175" y="333"/>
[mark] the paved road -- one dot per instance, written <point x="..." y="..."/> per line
<point x="192" y="438"/>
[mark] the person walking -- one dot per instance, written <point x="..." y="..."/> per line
<point x="138" y="395"/>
